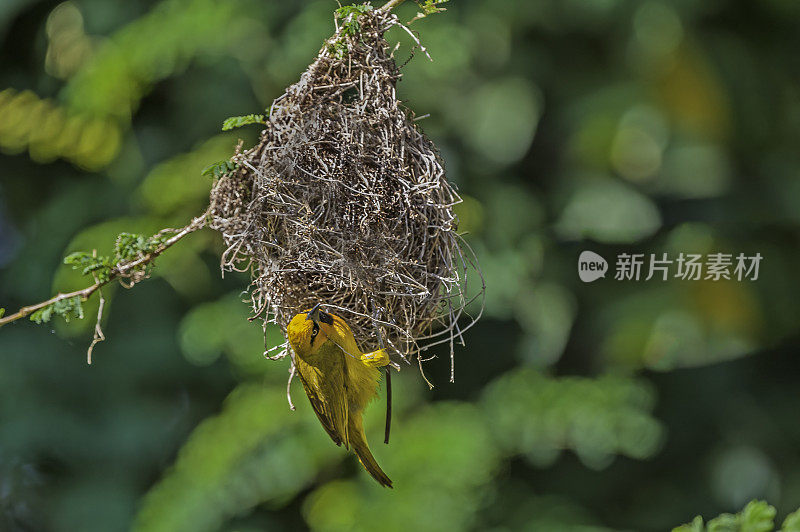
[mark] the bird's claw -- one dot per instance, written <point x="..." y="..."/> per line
<point x="376" y="359"/>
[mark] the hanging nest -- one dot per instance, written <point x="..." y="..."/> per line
<point x="344" y="201"/>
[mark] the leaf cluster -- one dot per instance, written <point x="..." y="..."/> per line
<point x="128" y="247"/>
<point x="348" y="15"/>
<point x="219" y="169"/>
<point x="66" y="308"/>
<point x="90" y="263"/>
<point x="132" y="246"/>
<point x="757" y="516"/>
<point x="429" y="7"/>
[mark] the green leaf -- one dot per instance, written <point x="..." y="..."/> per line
<point x="219" y="169"/>
<point x="350" y="26"/>
<point x="100" y="266"/>
<point x="355" y="9"/>
<point x="757" y="516"/>
<point x="239" y="121"/>
<point x="2" y="312"/>
<point x="42" y="315"/>
<point x="66" y="308"/>
<point x="127" y="247"/>
<point x="695" y="526"/>
<point x="338" y="49"/>
<point x="724" y="523"/>
<point x="130" y="246"/>
<point x="430" y="7"/>
<point x="792" y="522"/>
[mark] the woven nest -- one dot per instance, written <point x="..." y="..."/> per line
<point x="344" y="202"/>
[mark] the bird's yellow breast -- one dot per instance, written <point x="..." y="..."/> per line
<point x="334" y="348"/>
<point x="338" y="378"/>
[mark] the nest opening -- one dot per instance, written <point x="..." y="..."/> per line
<point x="344" y="201"/>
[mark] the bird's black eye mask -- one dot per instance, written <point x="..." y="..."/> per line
<point x="323" y="317"/>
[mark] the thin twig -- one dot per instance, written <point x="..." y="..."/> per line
<point x="98" y="332"/>
<point x="120" y="270"/>
<point x="391" y="4"/>
<point x="292" y="371"/>
<point x="415" y="38"/>
<point x="423" y="15"/>
<point x="26" y="311"/>
<point x="422" y="372"/>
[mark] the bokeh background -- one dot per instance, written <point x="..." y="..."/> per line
<point x="619" y="126"/>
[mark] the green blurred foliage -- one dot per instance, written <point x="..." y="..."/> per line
<point x="757" y="516"/>
<point x="635" y="126"/>
<point x="252" y="452"/>
<point x="537" y="416"/>
<point x="442" y="463"/>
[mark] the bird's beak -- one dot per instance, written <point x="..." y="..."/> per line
<point x="313" y="314"/>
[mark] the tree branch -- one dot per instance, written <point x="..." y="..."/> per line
<point x="119" y="271"/>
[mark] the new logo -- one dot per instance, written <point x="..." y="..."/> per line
<point x="591" y="266"/>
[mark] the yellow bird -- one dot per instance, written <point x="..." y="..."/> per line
<point x="339" y="380"/>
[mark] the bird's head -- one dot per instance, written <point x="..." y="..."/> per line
<point x="304" y="330"/>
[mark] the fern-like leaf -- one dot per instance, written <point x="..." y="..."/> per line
<point x="239" y="121"/>
<point x="757" y="516"/>
<point x="66" y="308"/>
<point x="219" y="169"/>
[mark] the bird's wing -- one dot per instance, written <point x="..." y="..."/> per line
<point x="326" y="387"/>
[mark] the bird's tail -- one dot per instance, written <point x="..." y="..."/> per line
<point x="358" y="441"/>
